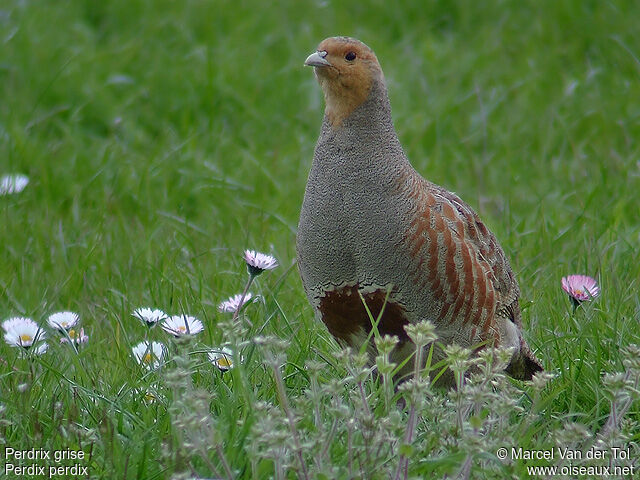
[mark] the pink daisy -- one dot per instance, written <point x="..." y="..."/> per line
<point x="259" y="262"/>
<point x="580" y="287"/>
<point x="77" y="337"/>
<point x="231" y="304"/>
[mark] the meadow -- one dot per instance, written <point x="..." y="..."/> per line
<point x="161" y="139"/>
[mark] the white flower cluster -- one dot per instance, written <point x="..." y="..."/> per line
<point x="26" y="333"/>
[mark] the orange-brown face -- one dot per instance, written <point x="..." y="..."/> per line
<point x="346" y="69"/>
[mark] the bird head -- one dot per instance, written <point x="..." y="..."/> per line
<point x="347" y="70"/>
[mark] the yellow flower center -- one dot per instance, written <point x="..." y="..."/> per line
<point x="224" y="362"/>
<point x="72" y="333"/>
<point x="25" y="337"/>
<point x="578" y="292"/>
<point x="182" y="329"/>
<point x="64" y="324"/>
<point x="149" y="397"/>
<point x="148" y="358"/>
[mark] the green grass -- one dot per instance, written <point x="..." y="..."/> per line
<point x="162" y="138"/>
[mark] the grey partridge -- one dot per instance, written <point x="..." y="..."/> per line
<point x="371" y="228"/>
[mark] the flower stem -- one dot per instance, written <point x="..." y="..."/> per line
<point x="575" y="302"/>
<point x="403" y="465"/>
<point x="224" y="462"/>
<point x="284" y="403"/>
<point x="242" y="297"/>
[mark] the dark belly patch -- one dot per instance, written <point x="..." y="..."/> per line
<point x="344" y="313"/>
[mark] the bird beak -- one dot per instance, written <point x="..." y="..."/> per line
<point x="316" y="59"/>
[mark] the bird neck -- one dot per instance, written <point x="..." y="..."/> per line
<point x="370" y="113"/>
<point x="344" y="95"/>
<point x="365" y="141"/>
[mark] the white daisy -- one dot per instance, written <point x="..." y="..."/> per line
<point x="231" y="304"/>
<point x="148" y="316"/>
<point x="63" y="320"/>
<point x="15" y="321"/>
<point x="221" y="358"/>
<point x="152" y="395"/>
<point x="23" y="332"/>
<point x="40" y="348"/>
<point x="149" y="355"/>
<point x="179" y="325"/>
<point x="259" y="262"/>
<point x="77" y="337"/>
<point x="14" y="183"/>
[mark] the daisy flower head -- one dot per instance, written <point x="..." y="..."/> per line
<point x="149" y="354"/>
<point x="580" y="288"/>
<point x="76" y="337"/>
<point x="22" y="332"/>
<point x="152" y="395"/>
<point x="40" y="349"/>
<point x="258" y="262"/>
<point x="63" y="321"/>
<point x="9" y="323"/>
<point x="232" y="304"/>
<point x="149" y="317"/>
<point x="179" y="325"/>
<point x="221" y="358"/>
<point x="14" y="183"/>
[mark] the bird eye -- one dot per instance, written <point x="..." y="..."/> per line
<point x="350" y="56"/>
